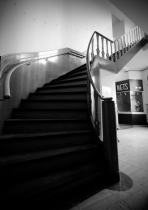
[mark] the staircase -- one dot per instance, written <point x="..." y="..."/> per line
<point x="48" y="147"/>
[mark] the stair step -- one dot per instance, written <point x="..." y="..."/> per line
<point x="60" y="96"/>
<point x="65" y="76"/>
<point x="67" y="80"/>
<point x="35" y="164"/>
<point x="41" y="155"/>
<point x="56" y="104"/>
<point x="62" y="89"/>
<point x="23" y="143"/>
<point x="63" y="84"/>
<point x="14" y="126"/>
<point x="34" y="113"/>
<point x="34" y="189"/>
<point x="76" y="71"/>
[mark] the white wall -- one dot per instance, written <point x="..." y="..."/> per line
<point x="122" y="75"/>
<point x="145" y="86"/>
<point x="128" y="24"/>
<point x="40" y="25"/>
<point x="109" y="81"/>
<point x="118" y="29"/>
<point x="135" y="74"/>
<point x="135" y="10"/>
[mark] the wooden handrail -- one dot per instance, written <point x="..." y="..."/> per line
<point x="103" y="36"/>
<point x="89" y="69"/>
<point x="16" y="58"/>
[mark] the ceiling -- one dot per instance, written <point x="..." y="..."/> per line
<point x="136" y="10"/>
<point x="139" y="61"/>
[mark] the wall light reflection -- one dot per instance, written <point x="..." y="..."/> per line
<point x="53" y="59"/>
<point x="42" y="61"/>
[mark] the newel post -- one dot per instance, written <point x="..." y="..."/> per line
<point x="110" y="140"/>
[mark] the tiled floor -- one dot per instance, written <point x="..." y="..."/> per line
<point x="133" y="161"/>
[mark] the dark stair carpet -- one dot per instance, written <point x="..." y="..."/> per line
<point x="49" y="151"/>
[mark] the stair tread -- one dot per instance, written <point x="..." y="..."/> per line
<point x="63" y="86"/>
<point x="72" y="75"/>
<point x="12" y="136"/>
<point x="5" y="160"/>
<point x="45" y="120"/>
<point x="50" y="182"/>
<point x="64" y="91"/>
<point x="84" y="77"/>
<point x="56" y="93"/>
<point x="46" y="109"/>
<point x="71" y="99"/>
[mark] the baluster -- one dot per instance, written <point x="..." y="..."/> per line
<point x="111" y="48"/>
<point x="98" y="49"/>
<point x="89" y="96"/>
<point x="107" y="54"/>
<point x="119" y="53"/>
<point x="122" y="49"/>
<point x="139" y="33"/>
<point x="92" y="52"/>
<point x="134" y="37"/>
<point x="97" y="123"/>
<point x="115" y="51"/>
<point x="136" y="40"/>
<point x="128" y="45"/>
<point x="126" y="42"/>
<point x="124" y="45"/>
<point x="102" y="47"/>
<point x="130" y="40"/>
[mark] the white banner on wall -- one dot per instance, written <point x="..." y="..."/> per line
<point x="106" y="91"/>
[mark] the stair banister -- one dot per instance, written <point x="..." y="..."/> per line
<point x="108" y="111"/>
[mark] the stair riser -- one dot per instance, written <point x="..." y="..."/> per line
<point x="43" y="143"/>
<point x="71" y="79"/>
<point x="49" y="114"/>
<point x="57" y="96"/>
<point x="74" y="75"/>
<point x="71" y="73"/>
<point x="54" y="105"/>
<point x="32" y="169"/>
<point x="44" y="126"/>
<point x="52" y="90"/>
<point x="80" y="184"/>
<point x="83" y="82"/>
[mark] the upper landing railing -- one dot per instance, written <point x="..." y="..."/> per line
<point x="113" y="50"/>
